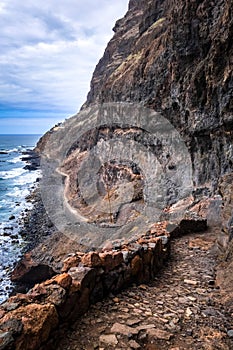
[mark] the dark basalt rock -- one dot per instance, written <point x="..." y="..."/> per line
<point x="177" y="61"/>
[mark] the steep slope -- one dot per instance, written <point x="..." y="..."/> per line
<point x="176" y="57"/>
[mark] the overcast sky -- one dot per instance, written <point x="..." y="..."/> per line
<point x="49" y="50"/>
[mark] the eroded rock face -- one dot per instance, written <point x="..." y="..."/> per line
<point x="176" y="58"/>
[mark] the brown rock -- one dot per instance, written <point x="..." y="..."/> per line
<point x="2" y="313"/>
<point x="76" y="304"/>
<point x="159" y="334"/>
<point x="91" y="259"/>
<point x="136" y="265"/>
<point x="75" y="286"/>
<point x="134" y="345"/>
<point x="191" y="282"/>
<point x="109" y="339"/>
<point x="111" y="260"/>
<point x="123" y="329"/>
<point x="151" y="347"/>
<point x="145" y="326"/>
<point x="83" y="275"/>
<point x="64" y="280"/>
<point x="38" y="321"/>
<point x="70" y="262"/>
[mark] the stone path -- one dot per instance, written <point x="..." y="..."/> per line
<point x="181" y="309"/>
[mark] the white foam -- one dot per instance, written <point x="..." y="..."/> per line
<point x="28" y="177"/>
<point x="16" y="160"/>
<point x="17" y="193"/>
<point x="11" y="174"/>
<point x="13" y="150"/>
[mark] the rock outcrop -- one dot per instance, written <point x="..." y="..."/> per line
<point x="177" y="59"/>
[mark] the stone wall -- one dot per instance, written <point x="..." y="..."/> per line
<point x="31" y="321"/>
<point x="27" y="321"/>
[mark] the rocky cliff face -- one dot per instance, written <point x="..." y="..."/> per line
<point x="176" y="57"/>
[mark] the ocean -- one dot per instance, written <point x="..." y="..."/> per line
<point x="15" y="186"/>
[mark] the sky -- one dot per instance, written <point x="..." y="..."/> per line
<point x="49" y="50"/>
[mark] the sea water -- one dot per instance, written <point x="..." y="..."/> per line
<point x="15" y="186"/>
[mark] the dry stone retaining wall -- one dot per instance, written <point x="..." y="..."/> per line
<point x="29" y="321"/>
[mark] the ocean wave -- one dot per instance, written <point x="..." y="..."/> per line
<point x="13" y="150"/>
<point x="11" y="174"/>
<point x="28" y="177"/>
<point x="18" y="193"/>
<point x="15" y="160"/>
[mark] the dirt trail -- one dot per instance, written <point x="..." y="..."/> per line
<point x="180" y="309"/>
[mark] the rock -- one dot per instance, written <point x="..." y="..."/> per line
<point x="143" y="287"/>
<point x="70" y="262"/>
<point x="132" y="322"/>
<point x="111" y="260"/>
<point x="83" y="275"/>
<point x="109" y="339"/>
<point x="230" y="333"/>
<point x="12" y="217"/>
<point x="188" y="312"/>
<point x="123" y="329"/>
<point x="30" y="272"/>
<point x="151" y="347"/>
<point x="37" y="320"/>
<point x="191" y="282"/>
<point x="52" y="293"/>
<point x="64" y="280"/>
<point x="136" y="265"/>
<point x="6" y="340"/>
<point x="159" y="334"/>
<point x="145" y="327"/>
<point x="91" y="260"/>
<point x="134" y="345"/>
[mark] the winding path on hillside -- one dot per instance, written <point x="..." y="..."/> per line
<point x="181" y="309"/>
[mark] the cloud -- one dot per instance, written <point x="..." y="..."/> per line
<point x="49" y="51"/>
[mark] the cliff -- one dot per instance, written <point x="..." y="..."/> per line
<point x="176" y="57"/>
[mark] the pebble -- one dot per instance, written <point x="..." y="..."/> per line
<point x="193" y="283"/>
<point x="230" y="333"/>
<point x="188" y="312"/>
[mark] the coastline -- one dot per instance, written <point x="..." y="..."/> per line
<point x="18" y="182"/>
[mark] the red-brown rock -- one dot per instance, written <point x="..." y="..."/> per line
<point x="72" y="261"/>
<point x="91" y="259"/>
<point x="136" y="265"/>
<point x="37" y="322"/>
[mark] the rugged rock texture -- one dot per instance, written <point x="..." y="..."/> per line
<point x="27" y="320"/>
<point x="177" y="58"/>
